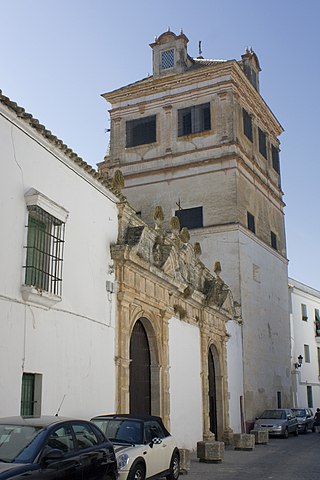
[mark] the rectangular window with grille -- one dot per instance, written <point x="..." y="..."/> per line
<point x="262" y="143"/>
<point x="194" y="119"/>
<point x="275" y="159"/>
<point x="273" y="240"/>
<point x="251" y="222"/>
<point x="304" y="312"/>
<point x="190" y="217"/>
<point x="31" y="394"/>
<point x="44" y="257"/>
<point x="167" y="59"/>
<point x="247" y="125"/>
<point x="141" y="131"/>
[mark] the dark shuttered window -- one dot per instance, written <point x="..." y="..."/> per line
<point x="251" y="222"/>
<point x="141" y="131"/>
<point x="262" y="143"/>
<point x="194" y="119"/>
<point x="247" y="125"/>
<point x="275" y="159"/>
<point x="273" y="240"/>
<point x="190" y="217"/>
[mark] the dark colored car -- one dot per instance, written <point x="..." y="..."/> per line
<point x="144" y="447"/>
<point x="49" y="447"/>
<point x="305" y="419"/>
<point x="279" y="421"/>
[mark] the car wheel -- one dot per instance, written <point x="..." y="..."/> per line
<point x="286" y="433"/>
<point x="137" y="472"/>
<point x="296" y="432"/>
<point x="174" y="467"/>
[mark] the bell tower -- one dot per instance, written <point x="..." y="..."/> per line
<point x="198" y="139"/>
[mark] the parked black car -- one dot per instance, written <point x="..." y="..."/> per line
<point x="51" y="447"/>
<point x="305" y="419"/>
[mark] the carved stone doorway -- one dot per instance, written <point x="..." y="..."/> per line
<point x="212" y="393"/>
<point x="140" y="371"/>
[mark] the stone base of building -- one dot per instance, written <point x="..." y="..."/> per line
<point x="261" y="436"/>
<point x="185" y="461"/>
<point x="243" y="441"/>
<point x="210" y="451"/>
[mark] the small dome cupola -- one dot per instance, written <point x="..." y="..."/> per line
<point x="251" y="67"/>
<point x="169" y="54"/>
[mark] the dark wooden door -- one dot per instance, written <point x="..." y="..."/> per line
<point x="212" y="394"/>
<point x="140" y="388"/>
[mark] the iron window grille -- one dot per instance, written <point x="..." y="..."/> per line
<point x="45" y="245"/>
<point x="167" y="59"/>
<point x="141" y="131"/>
<point x="27" y="394"/>
<point x="194" y="119"/>
<point x="247" y="125"/>
<point x="190" y="217"/>
<point x="262" y="143"/>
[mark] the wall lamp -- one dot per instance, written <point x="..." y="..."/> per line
<point x="299" y="362"/>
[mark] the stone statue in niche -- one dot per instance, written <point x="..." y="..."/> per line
<point x="217" y="290"/>
<point x="157" y="254"/>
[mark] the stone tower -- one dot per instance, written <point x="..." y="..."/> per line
<point x="197" y="138"/>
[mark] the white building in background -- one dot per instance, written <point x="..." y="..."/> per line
<point x="57" y="318"/>
<point x="305" y="331"/>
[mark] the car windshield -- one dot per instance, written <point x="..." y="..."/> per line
<point x="299" y="412"/>
<point x="121" y="430"/>
<point x="16" y="442"/>
<point x="274" y="414"/>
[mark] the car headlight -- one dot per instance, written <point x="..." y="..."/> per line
<point x="122" y="460"/>
<point x="277" y="427"/>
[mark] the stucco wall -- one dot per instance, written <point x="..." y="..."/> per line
<point x="235" y="376"/>
<point x="72" y="344"/>
<point x="185" y="383"/>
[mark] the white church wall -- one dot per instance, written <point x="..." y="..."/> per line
<point x="70" y="345"/>
<point x="235" y="376"/>
<point x="185" y="383"/>
<point x="257" y="276"/>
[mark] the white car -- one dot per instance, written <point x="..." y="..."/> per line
<point x="143" y="446"/>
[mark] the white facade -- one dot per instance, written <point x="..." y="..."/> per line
<point x="185" y="383"/>
<point x="305" y="326"/>
<point x="235" y="377"/>
<point x="65" y="341"/>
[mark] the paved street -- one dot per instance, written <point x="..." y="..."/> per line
<point x="295" y="458"/>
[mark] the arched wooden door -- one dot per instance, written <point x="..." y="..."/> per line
<point x="140" y="378"/>
<point x="212" y="394"/>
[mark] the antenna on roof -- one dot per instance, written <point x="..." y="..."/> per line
<point x="58" y="411"/>
<point x="200" y="50"/>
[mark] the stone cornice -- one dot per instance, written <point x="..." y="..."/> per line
<point x="230" y="73"/>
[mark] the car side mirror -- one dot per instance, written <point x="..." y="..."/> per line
<point x="54" y="454"/>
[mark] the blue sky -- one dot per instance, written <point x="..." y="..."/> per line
<point x="59" y="56"/>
